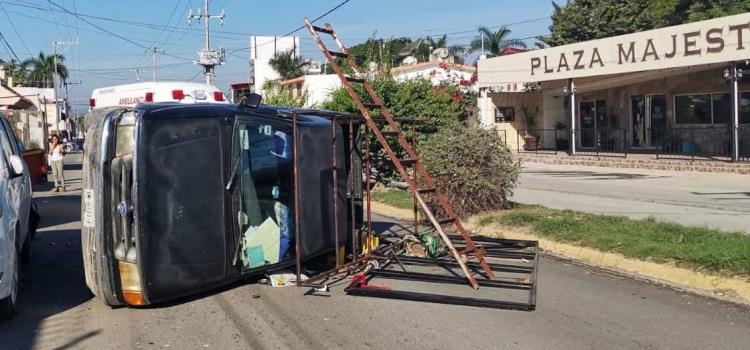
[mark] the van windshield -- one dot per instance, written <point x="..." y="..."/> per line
<point x="265" y="176"/>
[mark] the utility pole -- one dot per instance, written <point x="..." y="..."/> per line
<point x="54" y="78"/>
<point x="207" y="57"/>
<point x="482" y="34"/>
<point x="67" y="107"/>
<point x="153" y="52"/>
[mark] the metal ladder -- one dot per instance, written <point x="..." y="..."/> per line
<point x="418" y="170"/>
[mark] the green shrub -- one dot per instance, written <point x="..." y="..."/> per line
<point x="278" y="95"/>
<point x="439" y="107"/>
<point x="472" y="167"/>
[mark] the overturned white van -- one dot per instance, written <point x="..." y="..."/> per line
<point x="130" y="95"/>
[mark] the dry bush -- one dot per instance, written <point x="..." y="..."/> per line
<point x="472" y="167"/>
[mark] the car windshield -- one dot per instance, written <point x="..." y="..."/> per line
<point x="264" y="172"/>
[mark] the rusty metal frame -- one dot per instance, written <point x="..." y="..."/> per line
<point x="514" y="249"/>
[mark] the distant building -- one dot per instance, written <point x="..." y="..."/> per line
<point x="262" y="50"/>
<point x="439" y="73"/>
<point x="238" y="90"/>
<point x="666" y="91"/>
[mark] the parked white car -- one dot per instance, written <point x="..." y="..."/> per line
<point x="15" y="212"/>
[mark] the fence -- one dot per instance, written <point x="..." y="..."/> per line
<point x="503" y="134"/>
<point x="713" y="142"/>
<point x="537" y="140"/>
<point x="689" y="142"/>
<point x="744" y="147"/>
<point x="602" y="141"/>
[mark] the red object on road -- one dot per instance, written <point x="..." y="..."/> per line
<point x="36" y="162"/>
<point x="360" y="280"/>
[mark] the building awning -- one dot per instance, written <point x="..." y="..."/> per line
<point x="718" y="40"/>
<point x="10" y="99"/>
<point x="293" y="81"/>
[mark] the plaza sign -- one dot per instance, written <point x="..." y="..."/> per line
<point x="718" y="40"/>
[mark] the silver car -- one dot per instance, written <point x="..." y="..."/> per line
<point x="15" y="211"/>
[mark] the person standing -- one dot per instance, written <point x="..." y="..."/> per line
<point x="56" y="153"/>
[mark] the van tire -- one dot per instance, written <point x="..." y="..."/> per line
<point x="97" y="267"/>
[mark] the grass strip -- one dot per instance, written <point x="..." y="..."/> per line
<point x="701" y="248"/>
<point x="393" y="197"/>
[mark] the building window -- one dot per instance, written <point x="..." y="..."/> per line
<point x="695" y="109"/>
<point x="504" y="114"/>
<point x="745" y="107"/>
<point x="722" y="108"/>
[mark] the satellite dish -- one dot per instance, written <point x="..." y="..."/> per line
<point x="409" y="60"/>
<point x="441" y="53"/>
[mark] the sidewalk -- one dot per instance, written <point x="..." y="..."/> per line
<point x="716" y="200"/>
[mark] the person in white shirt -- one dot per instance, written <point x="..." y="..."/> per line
<point x="56" y="153"/>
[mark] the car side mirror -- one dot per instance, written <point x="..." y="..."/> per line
<point x="16" y="165"/>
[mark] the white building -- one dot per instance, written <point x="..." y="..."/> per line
<point x="262" y="50"/>
<point x="42" y="107"/>
<point x="317" y="87"/>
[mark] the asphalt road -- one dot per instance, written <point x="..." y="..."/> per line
<point x="578" y="308"/>
<point x="716" y="200"/>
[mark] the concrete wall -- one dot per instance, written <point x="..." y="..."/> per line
<point x="262" y="50"/>
<point x="319" y="88"/>
<point x="523" y="103"/>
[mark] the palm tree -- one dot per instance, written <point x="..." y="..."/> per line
<point x="42" y="70"/>
<point x="496" y="41"/>
<point x="14" y="70"/>
<point x="287" y="64"/>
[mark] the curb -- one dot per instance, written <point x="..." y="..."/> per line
<point x="732" y="289"/>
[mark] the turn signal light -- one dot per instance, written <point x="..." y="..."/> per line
<point x="130" y="281"/>
<point x="178" y="94"/>
<point x="133" y="298"/>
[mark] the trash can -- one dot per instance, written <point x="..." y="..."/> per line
<point x="36" y="162"/>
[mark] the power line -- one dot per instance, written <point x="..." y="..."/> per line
<point x="115" y="69"/>
<point x="20" y="14"/>
<point x="13" y="26"/>
<point x="9" y="47"/>
<point x="123" y="21"/>
<point x="302" y="26"/>
<point x="110" y="32"/>
<point x="169" y="20"/>
<point x="184" y="33"/>
<point x="57" y="27"/>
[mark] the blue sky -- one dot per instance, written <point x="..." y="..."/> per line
<point x="102" y="59"/>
